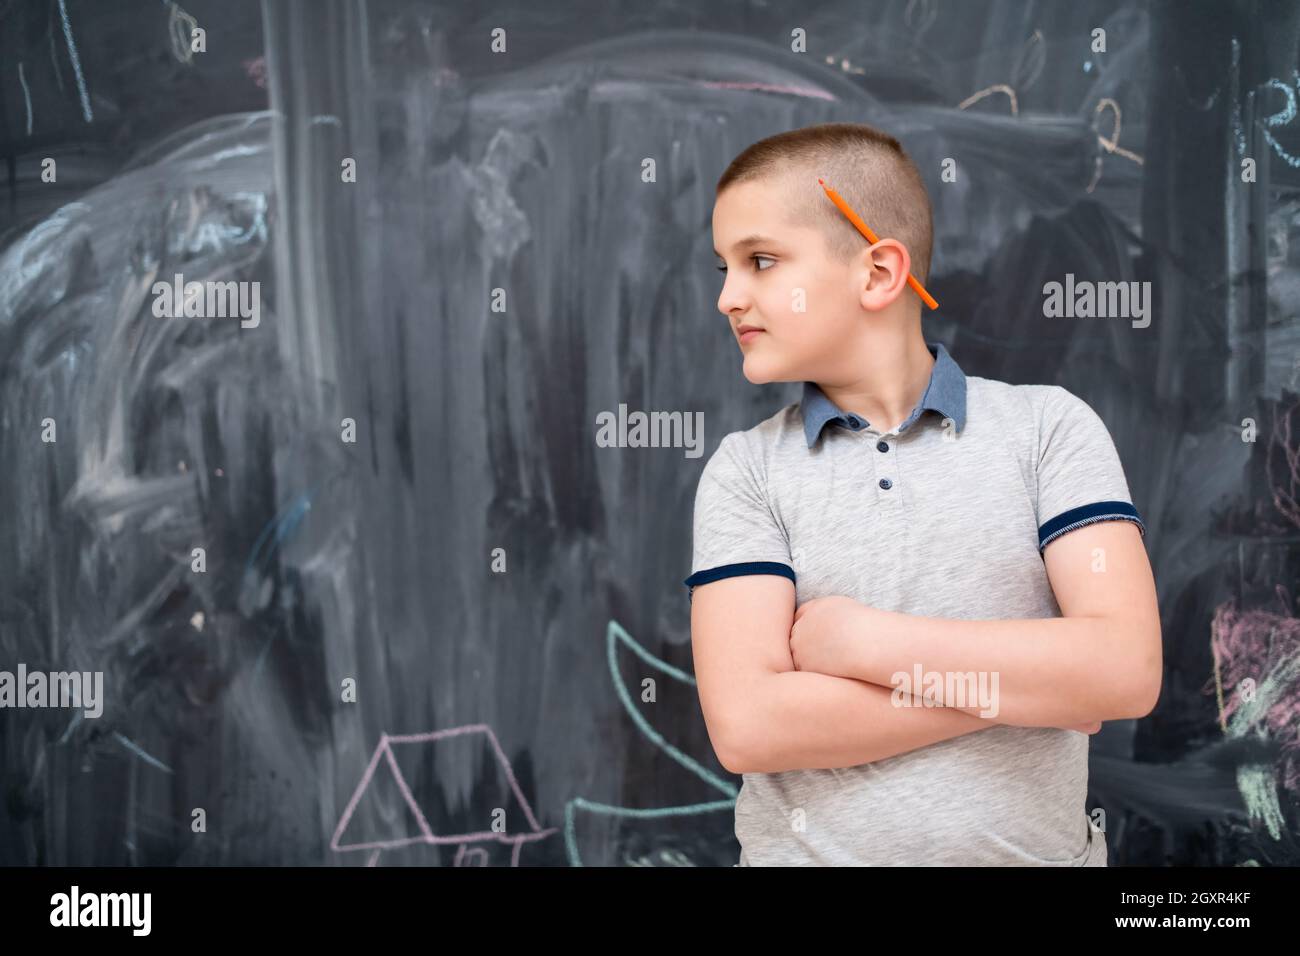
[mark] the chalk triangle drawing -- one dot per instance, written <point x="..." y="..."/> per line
<point x="383" y="771"/>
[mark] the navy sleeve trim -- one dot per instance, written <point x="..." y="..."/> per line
<point x="1089" y="514"/>
<point x="736" y="570"/>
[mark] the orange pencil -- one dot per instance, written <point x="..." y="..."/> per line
<point x="871" y="237"/>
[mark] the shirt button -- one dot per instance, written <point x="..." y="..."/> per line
<point x="853" y="421"/>
<point x="882" y="446"/>
<point x="885" y="483"/>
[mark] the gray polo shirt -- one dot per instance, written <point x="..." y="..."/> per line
<point x="945" y="516"/>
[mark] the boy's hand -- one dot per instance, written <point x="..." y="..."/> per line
<point x="831" y="635"/>
<point x="1089" y="728"/>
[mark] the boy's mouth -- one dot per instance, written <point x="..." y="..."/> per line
<point x="748" y="332"/>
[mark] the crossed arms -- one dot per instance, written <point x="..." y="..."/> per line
<point x="1100" y="661"/>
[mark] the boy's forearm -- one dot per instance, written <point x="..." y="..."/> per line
<point x="804" y="720"/>
<point x="1048" y="672"/>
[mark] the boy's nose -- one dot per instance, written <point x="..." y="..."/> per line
<point x="731" y="301"/>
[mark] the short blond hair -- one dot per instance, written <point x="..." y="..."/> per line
<point x="868" y="168"/>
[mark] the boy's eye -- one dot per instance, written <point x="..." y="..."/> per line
<point x="754" y="258"/>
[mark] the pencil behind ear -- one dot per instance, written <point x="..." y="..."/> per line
<point x="871" y="237"/>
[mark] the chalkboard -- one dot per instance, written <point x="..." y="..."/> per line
<point x="361" y="584"/>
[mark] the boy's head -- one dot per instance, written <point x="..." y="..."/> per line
<point x="815" y="284"/>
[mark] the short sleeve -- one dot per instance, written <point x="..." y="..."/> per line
<point x="1080" y="478"/>
<point x="735" y="531"/>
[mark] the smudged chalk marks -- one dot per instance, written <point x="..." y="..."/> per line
<point x="76" y="63"/>
<point x="27" y="98"/>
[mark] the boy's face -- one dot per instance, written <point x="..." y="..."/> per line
<point x="808" y="305"/>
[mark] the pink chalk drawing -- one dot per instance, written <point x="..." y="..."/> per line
<point x="1285" y="494"/>
<point x="256" y="70"/>
<point x="1256" y="679"/>
<point x="1265" y="648"/>
<point x="806" y="91"/>
<point x="469" y="851"/>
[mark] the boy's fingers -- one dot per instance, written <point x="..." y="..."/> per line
<point x="1088" y="728"/>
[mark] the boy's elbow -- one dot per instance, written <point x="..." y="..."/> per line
<point x="1144" y="699"/>
<point x="736" y="749"/>
<point x="743" y="746"/>
<point x="1142" y="691"/>
<point x="731" y="761"/>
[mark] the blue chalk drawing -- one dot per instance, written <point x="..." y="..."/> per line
<point x="615" y="635"/>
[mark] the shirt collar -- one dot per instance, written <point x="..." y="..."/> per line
<point x="945" y="394"/>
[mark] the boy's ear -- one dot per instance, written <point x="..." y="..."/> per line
<point x="889" y="249"/>
<point x="888" y="261"/>
<point x="891" y="255"/>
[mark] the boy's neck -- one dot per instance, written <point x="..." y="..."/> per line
<point x="889" y="375"/>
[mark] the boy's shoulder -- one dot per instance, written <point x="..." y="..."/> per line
<point x="1027" y="404"/>
<point x="755" y="445"/>
<point x="993" y="389"/>
<point x="782" y="426"/>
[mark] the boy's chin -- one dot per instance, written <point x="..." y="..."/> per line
<point x="757" y="372"/>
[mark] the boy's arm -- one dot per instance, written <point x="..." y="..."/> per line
<point x="763" y="716"/>
<point x="1100" y="661"/>
<point x="814" y="721"/>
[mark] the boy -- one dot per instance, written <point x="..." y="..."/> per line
<point x="902" y="535"/>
